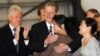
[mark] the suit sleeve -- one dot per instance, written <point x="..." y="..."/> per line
<point x="71" y="27"/>
<point x="36" y="43"/>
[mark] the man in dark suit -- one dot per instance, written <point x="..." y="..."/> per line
<point x="41" y="34"/>
<point x="11" y="35"/>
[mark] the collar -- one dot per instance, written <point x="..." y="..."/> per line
<point x="11" y="27"/>
<point x="48" y="24"/>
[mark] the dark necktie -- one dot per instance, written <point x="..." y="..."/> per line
<point x="14" y="29"/>
<point x="17" y="46"/>
<point x="50" y="30"/>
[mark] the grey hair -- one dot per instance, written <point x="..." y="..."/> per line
<point x="14" y="8"/>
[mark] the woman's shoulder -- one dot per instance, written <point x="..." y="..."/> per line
<point x="94" y="42"/>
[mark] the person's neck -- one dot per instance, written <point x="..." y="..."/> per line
<point x="87" y="36"/>
<point x="50" y="22"/>
<point x="12" y="25"/>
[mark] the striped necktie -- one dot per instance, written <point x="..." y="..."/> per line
<point x="14" y="30"/>
<point x="17" y="46"/>
<point x="50" y="29"/>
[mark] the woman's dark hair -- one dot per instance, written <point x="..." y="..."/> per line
<point x="91" y="22"/>
<point x="59" y="19"/>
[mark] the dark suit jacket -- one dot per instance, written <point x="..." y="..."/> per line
<point x="72" y="28"/>
<point x="97" y="35"/>
<point x="7" y="47"/>
<point x="38" y="34"/>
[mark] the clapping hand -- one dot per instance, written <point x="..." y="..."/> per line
<point x="26" y="32"/>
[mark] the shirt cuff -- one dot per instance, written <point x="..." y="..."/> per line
<point x="15" y="42"/>
<point x="45" y="45"/>
<point x="26" y="42"/>
<point x="69" y="49"/>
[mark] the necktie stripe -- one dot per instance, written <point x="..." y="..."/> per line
<point x="50" y="30"/>
<point x="17" y="46"/>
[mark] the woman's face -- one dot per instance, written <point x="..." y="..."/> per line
<point x="58" y="27"/>
<point x="90" y="14"/>
<point x="83" y="28"/>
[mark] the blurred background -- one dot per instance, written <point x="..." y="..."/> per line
<point x="70" y="8"/>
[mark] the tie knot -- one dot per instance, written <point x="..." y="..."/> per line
<point x="14" y="29"/>
<point x="50" y="26"/>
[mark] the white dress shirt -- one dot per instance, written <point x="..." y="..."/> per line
<point x="14" y="40"/>
<point x="48" y="26"/>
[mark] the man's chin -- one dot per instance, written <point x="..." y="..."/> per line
<point x="18" y="25"/>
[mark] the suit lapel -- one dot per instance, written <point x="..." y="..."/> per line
<point x="45" y="27"/>
<point x="9" y="30"/>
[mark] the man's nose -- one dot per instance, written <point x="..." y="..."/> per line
<point x="19" y="18"/>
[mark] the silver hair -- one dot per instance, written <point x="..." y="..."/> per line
<point x="14" y="8"/>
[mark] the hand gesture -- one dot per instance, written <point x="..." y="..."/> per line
<point x="26" y="32"/>
<point x="51" y="38"/>
<point x="61" y="48"/>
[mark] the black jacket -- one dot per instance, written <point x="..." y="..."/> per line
<point x="38" y="34"/>
<point x="7" y="47"/>
<point x="72" y="28"/>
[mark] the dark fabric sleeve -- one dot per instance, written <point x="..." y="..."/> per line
<point x="97" y="35"/>
<point x="71" y="26"/>
<point x="6" y="43"/>
<point x="23" y="47"/>
<point x="36" y="41"/>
